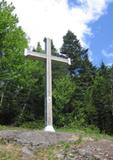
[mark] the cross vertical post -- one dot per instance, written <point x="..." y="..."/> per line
<point x="48" y="97"/>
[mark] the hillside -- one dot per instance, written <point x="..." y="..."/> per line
<point x="38" y="145"/>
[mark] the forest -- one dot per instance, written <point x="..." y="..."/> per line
<point x="82" y="92"/>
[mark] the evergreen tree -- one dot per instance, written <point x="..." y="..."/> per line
<point x="53" y="49"/>
<point x="72" y="48"/>
<point x="39" y="48"/>
<point x="82" y="72"/>
<point x="101" y="99"/>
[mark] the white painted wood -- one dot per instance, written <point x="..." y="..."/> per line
<point x="55" y="58"/>
<point x="48" y="99"/>
<point x="47" y="57"/>
<point x="35" y="55"/>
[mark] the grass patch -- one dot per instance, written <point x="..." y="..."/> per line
<point x="48" y="153"/>
<point x="22" y="128"/>
<point x="3" y="127"/>
<point x="54" y="151"/>
<point x="10" y="152"/>
<point x="88" y="132"/>
<point x="33" y="124"/>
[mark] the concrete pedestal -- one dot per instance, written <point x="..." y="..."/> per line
<point x="49" y="129"/>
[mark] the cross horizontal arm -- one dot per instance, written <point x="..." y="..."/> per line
<point x="64" y="60"/>
<point x="43" y="57"/>
<point x="35" y="55"/>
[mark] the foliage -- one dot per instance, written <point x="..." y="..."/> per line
<point x="18" y="76"/>
<point x="62" y="92"/>
<point x="39" y="48"/>
<point x="33" y="125"/>
<point x="82" y="93"/>
<point x="65" y="87"/>
<point x="101" y="98"/>
<point x="82" y="72"/>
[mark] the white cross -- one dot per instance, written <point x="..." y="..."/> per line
<point x="47" y="57"/>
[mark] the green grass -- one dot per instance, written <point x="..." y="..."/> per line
<point x="10" y="152"/>
<point x="51" y="152"/>
<point x="3" y="127"/>
<point x="86" y="132"/>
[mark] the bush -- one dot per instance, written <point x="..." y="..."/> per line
<point x="33" y="124"/>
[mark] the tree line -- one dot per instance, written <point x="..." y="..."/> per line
<point x="82" y="93"/>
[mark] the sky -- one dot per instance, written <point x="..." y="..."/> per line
<point x="90" y="20"/>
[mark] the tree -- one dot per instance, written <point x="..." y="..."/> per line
<point x="72" y="48"/>
<point x="39" y="48"/>
<point x="13" y="41"/>
<point x="19" y="77"/>
<point x="82" y="72"/>
<point x="101" y="99"/>
<point x="53" y="49"/>
<point x="62" y="93"/>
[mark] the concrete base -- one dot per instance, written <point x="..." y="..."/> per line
<point x="49" y="129"/>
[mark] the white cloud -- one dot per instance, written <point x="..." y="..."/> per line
<point x="109" y="64"/>
<point x="107" y="54"/>
<point x="90" y="55"/>
<point x="52" y="18"/>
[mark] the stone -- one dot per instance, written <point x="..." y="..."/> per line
<point x="27" y="151"/>
<point x="34" y="139"/>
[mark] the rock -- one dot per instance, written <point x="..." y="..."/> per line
<point x="27" y="151"/>
<point x="60" y="156"/>
<point x="87" y="139"/>
<point x="84" y="152"/>
<point x="36" y="138"/>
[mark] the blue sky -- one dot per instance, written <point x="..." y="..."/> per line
<point x="90" y="20"/>
<point x="100" y="43"/>
<point x="73" y="3"/>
